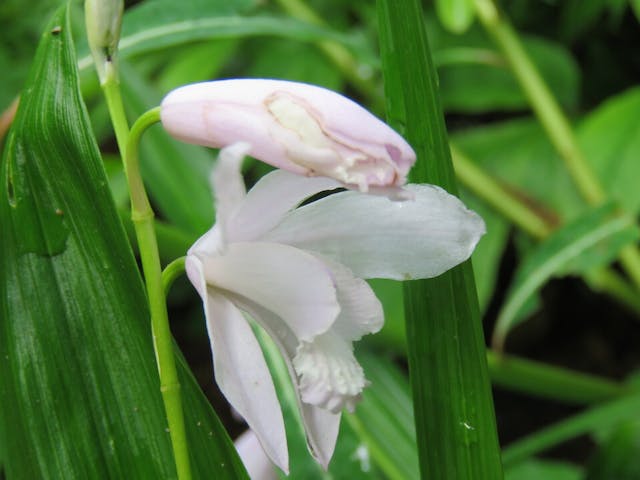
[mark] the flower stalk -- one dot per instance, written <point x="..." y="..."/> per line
<point x="142" y="216"/>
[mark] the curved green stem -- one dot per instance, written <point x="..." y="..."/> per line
<point x="142" y="216"/>
<point x="171" y="272"/>
<point x="542" y="101"/>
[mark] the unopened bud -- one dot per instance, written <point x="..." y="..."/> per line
<point x="103" y="19"/>
<point x="298" y="127"/>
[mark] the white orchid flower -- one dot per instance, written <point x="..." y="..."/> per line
<point x="298" y="272"/>
<point x="298" y="127"/>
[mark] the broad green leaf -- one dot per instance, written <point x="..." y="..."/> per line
<point x="517" y="153"/>
<point x="384" y="418"/>
<point x="543" y="470"/>
<point x="474" y="77"/>
<point x="304" y="63"/>
<point x="79" y="391"/>
<point x="591" y="241"/>
<point x="454" y="415"/>
<point x="455" y="15"/>
<point x="196" y="63"/>
<point x="610" y="137"/>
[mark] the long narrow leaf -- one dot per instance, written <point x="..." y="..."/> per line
<point x="592" y="240"/>
<point x="455" y="421"/>
<point x="79" y="391"/>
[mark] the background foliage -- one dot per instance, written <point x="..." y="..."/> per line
<point x="549" y="264"/>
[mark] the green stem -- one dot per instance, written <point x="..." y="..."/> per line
<point x="111" y="90"/>
<point x="142" y="216"/>
<point x="171" y="272"/>
<point x="596" y="418"/>
<point x="551" y="117"/>
<point x="550" y="382"/>
<point x="542" y="101"/>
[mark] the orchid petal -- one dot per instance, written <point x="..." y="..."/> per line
<point x="360" y="310"/>
<point x="227" y="182"/>
<point x="325" y="426"/>
<point x="295" y="126"/>
<point x="330" y="376"/>
<point x="269" y="201"/>
<point x="253" y="457"/>
<point x="379" y="238"/>
<point x="292" y="283"/>
<point x="320" y="426"/>
<point x="240" y="369"/>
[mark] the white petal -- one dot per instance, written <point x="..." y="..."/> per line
<point x="227" y="182"/>
<point x="270" y="199"/>
<point x="360" y="310"/>
<point x="240" y="369"/>
<point x="330" y="376"/>
<point x="379" y="238"/>
<point x="321" y="426"/>
<point x="325" y="427"/>
<point x="252" y="455"/>
<point x="287" y="281"/>
<point x="211" y="243"/>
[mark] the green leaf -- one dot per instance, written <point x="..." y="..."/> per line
<point x="79" y="390"/>
<point x="635" y="6"/>
<point x="591" y="241"/>
<point x="488" y="254"/>
<point x="603" y="416"/>
<point x="455" y="421"/>
<point x="518" y="154"/>
<point x="455" y="15"/>
<point x="610" y="137"/>
<point x="619" y="456"/>
<point x="347" y="461"/>
<point x="304" y="63"/>
<point x="152" y="26"/>
<point x="474" y="76"/>
<point x="543" y="469"/>
<point x="384" y="417"/>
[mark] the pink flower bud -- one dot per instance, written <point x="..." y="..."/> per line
<point x="298" y="127"/>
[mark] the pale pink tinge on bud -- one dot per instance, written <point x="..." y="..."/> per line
<point x="303" y="128"/>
